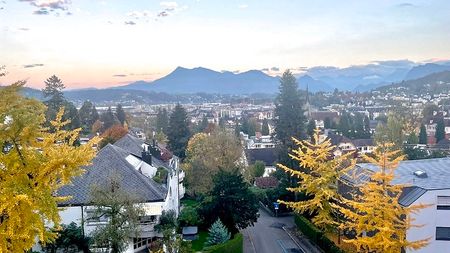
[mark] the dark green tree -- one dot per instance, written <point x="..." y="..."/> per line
<point x="71" y="239"/>
<point x="429" y="110"/>
<point x="162" y="121"/>
<point x="53" y="88"/>
<point x="311" y="127"/>
<point x="367" y="133"/>
<point x="109" y="119"/>
<point x="203" y="124"/>
<point x="265" y="127"/>
<point x="120" y="113"/>
<point x="88" y="115"/>
<point x="178" y="133"/>
<point x="345" y="126"/>
<point x="232" y="201"/>
<point x="423" y="135"/>
<point x="289" y="113"/>
<point x="327" y="123"/>
<point x="440" y="130"/>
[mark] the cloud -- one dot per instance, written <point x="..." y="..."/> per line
<point x="406" y="5"/>
<point x="265" y="69"/>
<point x="138" y="14"/>
<point x="274" y="69"/>
<point x="33" y="65"/>
<point x="23" y="29"/>
<point x="120" y="75"/>
<point x="51" y="4"/>
<point x="169" y="6"/>
<point x="130" y="22"/>
<point x="243" y="6"/>
<point x="41" y="11"/>
<point x="163" y="14"/>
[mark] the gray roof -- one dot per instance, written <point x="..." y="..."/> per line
<point x="131" y="144"/>
<point x="437" y="170"/>
<point x="110" y="161"/>
<point x="437" y="177"/>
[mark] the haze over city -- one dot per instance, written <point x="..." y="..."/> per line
<point x="109" y="43"/>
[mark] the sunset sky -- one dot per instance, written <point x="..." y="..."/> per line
<point x="91" y="43"/>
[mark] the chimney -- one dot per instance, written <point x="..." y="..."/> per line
<point x="147" y="156"/>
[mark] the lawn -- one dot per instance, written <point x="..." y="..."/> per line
<point x="190" y="202"/>
<point x="197" y="245"/>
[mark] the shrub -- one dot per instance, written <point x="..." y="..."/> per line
<point x="234" y="245"/>
<point x="189" y="217"/>
<point x="218" y="233"/>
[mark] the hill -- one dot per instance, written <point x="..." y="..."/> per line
<point x="424" y="70"/>
<point x="433" y="84"/>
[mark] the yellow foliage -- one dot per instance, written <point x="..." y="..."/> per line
<point x="34" y="164"/>
<point x="318" y="179"/>
<point x="379" y="221"/>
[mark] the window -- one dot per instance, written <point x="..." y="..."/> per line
<point x="139" y="242"/>
<point x="147" y="219"/>
<point x="93" y="217"/>
<point x="443" y="233"/>
<point x="443" y="203"/>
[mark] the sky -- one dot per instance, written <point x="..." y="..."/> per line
<point x="93" y="43"/>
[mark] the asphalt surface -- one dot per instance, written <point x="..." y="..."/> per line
<point x="268" y="236"/>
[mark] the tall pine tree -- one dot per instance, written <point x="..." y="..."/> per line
<point x="121" y="116"/>
<point x="440" y="130"/>
<point x="178" y="131"/>
<point x="265" y="127"/>
<point x="423" y="135"/>
<point x="162" y="121"/>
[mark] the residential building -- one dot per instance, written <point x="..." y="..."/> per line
<point x="132" y="163"/>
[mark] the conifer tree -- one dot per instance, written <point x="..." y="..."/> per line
<point x="109" y="119"/>
<point x="121" y="116"/>
<point x="319" y="181"/>
<point x="178" y="132"/>
<point x="218" y="233"/>
<point x="440" y="130"/>
<point x="374" y="214"/>
<point x="265" y="127"/>
<point x="33" y="170"/>
<point x="311" y="127"/>
<point x="423" y="135"/>
<point x="162" y="121"/>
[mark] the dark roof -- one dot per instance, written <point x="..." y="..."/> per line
<point x="266" y="182"/>
<point x="410" y="194"/>
<point x="336" y="139"/>
<point x="322" y="115"/>
<point x="110" y="161"/>
<point x="267" y="155"/>
<point x="131" y="144"/>
<point x="443" y="144"/>
<point x="363" y="142"/>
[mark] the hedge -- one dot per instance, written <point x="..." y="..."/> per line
<point x="234" y="245"/>
<point x="316" y="235"/>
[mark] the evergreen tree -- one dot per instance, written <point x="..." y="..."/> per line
<point x="440" y="130"/>
<point x="203" y="124"/>
<point x="231" y="201"/>
<point x="344" y="126"/>
<point x="53" y="88"/>
<point x="121" y="116"/>
<point x="162" y="121"/>
<point x="218" y="233"/>
<point x="237" y="129"/>
<point x="109" y="119"/>
<point x="423" y="139"/>
<point x="265" y="127"/>
<point x="289" y="113"/>
<point x="367" y="133"/>
<point x="311" y="127"/>
<point x="358" y="126"/>
<point x="327" y="123"/>
<point x="178" y="132"/>
<point x="88" y="115"/>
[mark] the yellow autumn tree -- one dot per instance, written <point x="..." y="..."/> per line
<point x="374" y="213"/>
<point x="318" y="179"/>
<point x="34" y="164"/>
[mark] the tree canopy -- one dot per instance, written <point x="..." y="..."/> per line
<point x="178" y="132"/>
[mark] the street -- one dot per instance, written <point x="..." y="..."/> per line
<point x="268" y="236"/>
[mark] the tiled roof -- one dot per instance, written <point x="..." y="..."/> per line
<point x="266" y="182"/>
<point x="110" y="161"/>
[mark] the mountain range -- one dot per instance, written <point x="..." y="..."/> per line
<point x="355" y="78"/>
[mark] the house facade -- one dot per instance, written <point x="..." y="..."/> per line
<point x="134" y="164"/>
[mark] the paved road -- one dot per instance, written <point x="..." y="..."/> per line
<point x="267" y="235"/>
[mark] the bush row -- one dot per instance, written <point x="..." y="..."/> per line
<point x="316" y="235"/>
<point x="234" y="245"/>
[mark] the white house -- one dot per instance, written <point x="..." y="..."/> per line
<point x="428" y="182"/>
<point x="134" y="163"/>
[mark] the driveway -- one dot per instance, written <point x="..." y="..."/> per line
<point x="268" y="236"/>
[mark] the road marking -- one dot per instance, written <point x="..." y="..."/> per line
<point x="281" y="245"/>
<point x="292" y="238"/>
<point x="251" y="240"/>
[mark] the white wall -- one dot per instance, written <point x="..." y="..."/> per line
<point x="430" y="218"/>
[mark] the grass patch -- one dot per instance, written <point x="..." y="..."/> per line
<point x="197" y="245"/>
